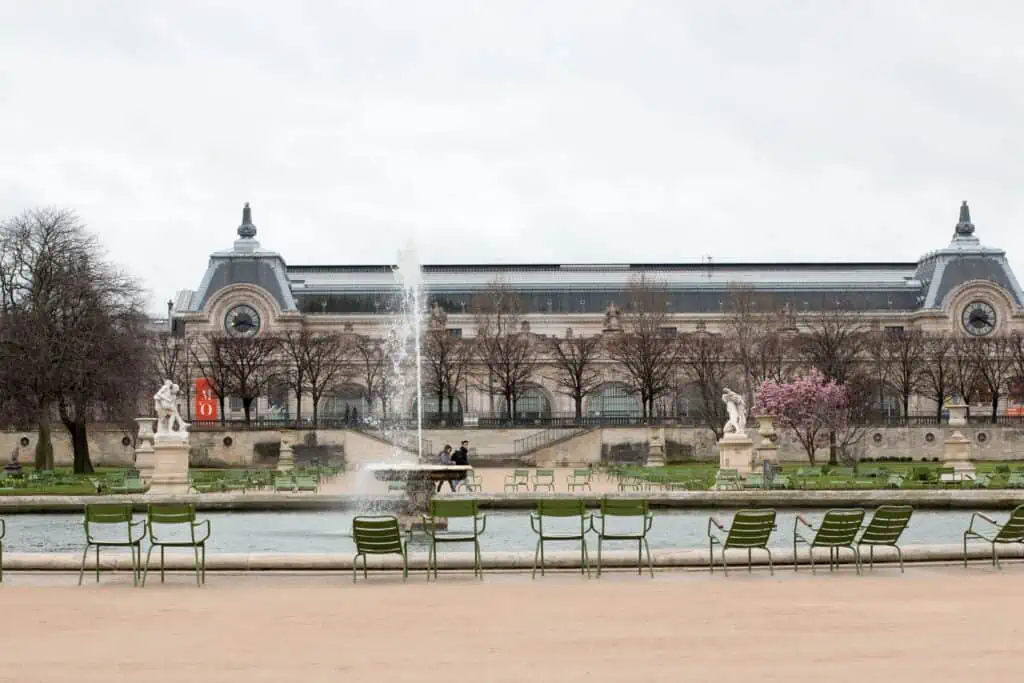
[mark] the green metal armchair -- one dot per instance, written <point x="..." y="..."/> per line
<point x="1011" y="531"/>
<point x="617" y="508"/>
<point x="454" y="508"/>
<point x="99" y="515"/>
<point x="750" y="530"/>
<point x="838" y="530"/>
<point x="377" y="535"/>
<point x="177" y="514"/>
<point x="564" y="509"/>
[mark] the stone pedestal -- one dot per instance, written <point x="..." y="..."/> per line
<point x="767" y="450"/>
<point x="170" y="468"/>
<point x="286" y="460"/>
<point x="956" y="453"/>
<point x="656" y="450"/>
<point x="736" y="452"/>
<point x="145" y="456"/>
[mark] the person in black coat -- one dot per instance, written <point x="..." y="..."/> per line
<point x="461" y="456"/>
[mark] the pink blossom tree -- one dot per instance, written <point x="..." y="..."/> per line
<point x="811" y="406"/>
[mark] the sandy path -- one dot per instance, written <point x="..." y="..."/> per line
<point x="934" y="624"/>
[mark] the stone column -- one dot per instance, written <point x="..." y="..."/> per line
<point x="144" y="453"/>
<point x="286" y="460"/>
<point x="170" y="464"/>
<point x="956" y="453"/>
<point x="656" y="449"/>
<point x="767" y="450"/>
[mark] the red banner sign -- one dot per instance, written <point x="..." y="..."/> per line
<point x="206" y="401"/>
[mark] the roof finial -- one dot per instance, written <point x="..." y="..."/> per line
<point x="246" y="230"/>
<point x="964" y="226"/>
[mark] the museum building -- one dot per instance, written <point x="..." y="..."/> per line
<point x="963" y="288"/>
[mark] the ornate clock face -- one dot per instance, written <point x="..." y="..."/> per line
<point x="242" y="321"/>
<point x="978" y="318"/>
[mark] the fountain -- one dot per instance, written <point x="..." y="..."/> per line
<point x="420" y="477"/>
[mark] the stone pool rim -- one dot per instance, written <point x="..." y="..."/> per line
<point x="948" y="499"/>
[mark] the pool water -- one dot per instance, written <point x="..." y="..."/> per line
<point x="329" y="532"/>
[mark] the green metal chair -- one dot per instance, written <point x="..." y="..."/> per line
<point x="516" y="479"/>
<point x="113" y="514"/>
<point x="454" y="508"/>
<point x="1011" y="531"/>
<point x="3" y="532"/>
<point x="305" y="482"/>
<point x="838" y="530"/>
<point x="750" y="530"/>
<point x="580" y="479"/>
<point x="181" y="514"/>
<point x="545" y="478"/>
<point x="377" y="535"/>
<point x="728" y="479"/>
<point x="885" y="528"/>
<point x="473" y="483"/>
<point x="563" y="509"/>
<point x="284" y="482"/>
<point x="620" y="508"/>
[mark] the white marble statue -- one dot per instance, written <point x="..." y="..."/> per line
<point x="166" y="403"/>
<point x="737" y="409"/>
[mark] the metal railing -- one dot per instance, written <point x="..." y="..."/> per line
<point x="545" y="438"/>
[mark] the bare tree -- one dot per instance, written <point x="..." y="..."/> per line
<point x="705" y="359"/>
<point x="446" y="361"/>
<point x="575" y="360"/>
<point x="294" y="350"/>
<point x="993" y="358"/>
<point x="759" y="332"/>
<point x="937" y="377"/>
<point x="833" y="343"/>
<point x="327" y="367"/>
<point x="71" y="337"/>
<point x="252" y="368"/>
<point x="212" y="360"/>
<point x="879" y="365"/>
<point x="647" y="348"/>
<point x="374" y="366"/>
<point x="1017" y="351"/>
<point x="964" y="370"/>
<point x="504" y="345"/>
<point x="906" y="361"/>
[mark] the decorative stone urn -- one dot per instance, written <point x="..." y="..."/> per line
<point x="286" y="460"/>
<point x="656" y="449"/>
<point x="767" y="450"/>
<point x="144" y="453"/>
<point x="956" y="453"/>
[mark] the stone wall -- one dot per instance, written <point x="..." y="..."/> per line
<point x="607" y="445"/>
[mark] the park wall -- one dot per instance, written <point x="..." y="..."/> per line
<point x="111" y="446"/>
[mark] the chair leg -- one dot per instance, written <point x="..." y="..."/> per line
<point x="586" y="558"/>
<point x="405" y="565"/>
<point x="711" y="555"/>
<point x="81" y="572"/>
<point x="796" y="564"/>
<point x="871" y="557"/>
<point x="536" y="553"/>
<point x="650" y="562"/>
<point x="477" y="560"/>
<point x="162" y="564"/>
<point x="995" y="558"/>
<point x="203" y="560"/>
<point x="98" y="563"/>
<point x="355" y="566"/>
<point x="725" y="566"/>
<point x="600" y="542"/>
<point x="195" y="565"/>
<point x="145" y="570"/>
<point x="965" y="550"/>
<point x="639" y="557"/>
<point x="771" y="568"/>
<point x="899" y="554"/>
<point x="810" y="554"/>
<point x="750" y="561"/>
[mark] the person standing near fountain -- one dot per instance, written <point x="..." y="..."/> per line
<point x="445" y="457"/>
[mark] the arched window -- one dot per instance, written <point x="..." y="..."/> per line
<point x="532" y="404"/>
<point x="348" y="402"/>
<point x="613" y="401"/>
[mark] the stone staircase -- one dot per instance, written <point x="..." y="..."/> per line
<point x="547" y="438"/>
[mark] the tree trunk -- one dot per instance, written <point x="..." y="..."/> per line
<point x="995" y="407"/>
<point x="298" y="407"/>
<point x="223" y="416"/>
<point x="833" y="456"/>
<point x="579" y="407"/>
<point x="316" y="411"/>
<point x="938" y="409"/>
<point x="247" y="409"/>
<point x="80" y="446"/>
<point x="44" y="444"/>
<point x="906" y="406"/>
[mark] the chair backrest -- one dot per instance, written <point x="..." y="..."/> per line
<point x="377" y="535"/>
<point x="751" y="528"/>
<point x="582" y="474"/>
<point x="624" y="507"/>
<point x="521" y="475"/>
<point x="839" y="527"/>
<point x="447" y="507"/>
<point x="561" y="508"/>
<point x="887" y="524"/>
<point x="545" y="474"/>
<point x="1013" y="530"/>
<point x="728" y="475"/>
<point x="171" y="513"/>
<point x="108" y="513"/>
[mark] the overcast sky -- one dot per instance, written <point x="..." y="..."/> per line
<point x="555" y="130"/>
